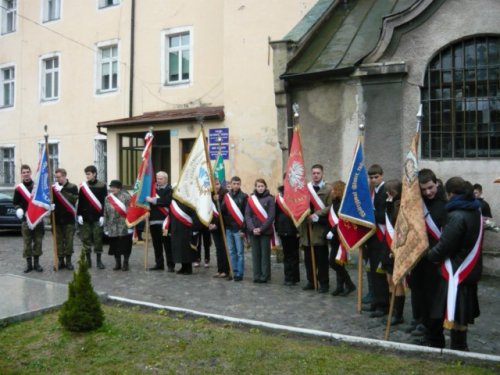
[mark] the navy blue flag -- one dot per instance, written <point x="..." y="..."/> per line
<point x="39" y="205"/>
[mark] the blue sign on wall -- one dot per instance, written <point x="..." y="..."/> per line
<point x="218" y="137"/>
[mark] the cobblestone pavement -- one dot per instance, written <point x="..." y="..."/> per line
<point x="272" y="302"/>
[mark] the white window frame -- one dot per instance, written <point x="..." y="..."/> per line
<point x="103" y="4"/>
<point x="165" y="50"/>
<point x="8" y="13"/>
<point x="57" y="10"/>
<point x="12" y="168"/>
<point x="54" y="72"/>
<point x="101" y="160"/>
<point x="12" y="84"/>
<point x="99" y="64"/>
<point x="55" y="160"/>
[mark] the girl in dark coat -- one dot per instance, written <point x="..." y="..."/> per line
<point x="216" y="230"/>
<point x="459" y="252"/>
<point x="184" y="227"/>
<point x="259" y="218"/>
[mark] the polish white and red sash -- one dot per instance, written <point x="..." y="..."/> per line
<point x="389" y="231"/>
<point x="233" y="209"/>
<point x="280" y="202"/>
<point x="90" y="197"/>
<point x="431" y="226"/>
<point x="380" y="232"/>
<point x="180" y="215"/>
<point x="165" y="225"/>
<point x="65" y="202"/>
<point x="117" y="205"/>
<point x="333" y="219"/>
<point x="214" y="210"/>
<point x="454" y="279"/>
<point x="315" y="199"/>
<point x="23" y="190"/>
<point x="257" y="208"/>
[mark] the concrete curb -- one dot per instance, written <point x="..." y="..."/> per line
<point x="366" y="342"/>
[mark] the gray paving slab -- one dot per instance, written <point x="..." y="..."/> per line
<point x="272" y="302"/>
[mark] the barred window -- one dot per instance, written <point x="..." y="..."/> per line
<point x="461" y="101"/>
<point x="7" y="167"/>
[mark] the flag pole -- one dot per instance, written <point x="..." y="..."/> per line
<point x="212" y="181"/>
<point x="360" y="249"/>
<point x="146" y="224"/>
<point x="51" y="195"/>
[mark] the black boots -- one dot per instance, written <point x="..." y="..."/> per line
<point x="29" y="265"/>
<point x="349" y="286"/>
<point x="340" y="284"/>
<point x="125" y="264"/>
<point x="89" y="259"/>
<point x="118" y="263"/>
<point x="458" y="340"/>
<point x="369" y="297"/>
<point x="99" y="262"/>
<point x="61" y="264"/>
<point x="36" y="265"/>
<point x="399" y="305"/>
<point x="69" y="265"/>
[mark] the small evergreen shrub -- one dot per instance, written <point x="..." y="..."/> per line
<point x="82" y="311"/>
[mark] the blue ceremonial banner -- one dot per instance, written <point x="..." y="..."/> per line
<point x="356" y="213"/>
<point x="39" y="206"/>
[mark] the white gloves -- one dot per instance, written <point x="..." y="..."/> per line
<point x="314" y="218"/>
<point x="19" y="213"/>
<point x="80" y="220"/>
<point x="130" y="230"/>
<point x="52" y="207"/>
<point x="329" y="235"/>
<point x="58" y="187"/>
<point x="101" y="221"/>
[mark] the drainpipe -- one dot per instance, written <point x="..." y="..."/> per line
<point x="132" y="50"/>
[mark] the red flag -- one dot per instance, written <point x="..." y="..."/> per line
<point x="295" y="193"/>
<point x="144" y="186"/>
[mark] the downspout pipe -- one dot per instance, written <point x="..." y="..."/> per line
<point x="132" y="53"/>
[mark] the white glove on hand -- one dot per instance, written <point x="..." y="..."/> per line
<point x="19" y="213"/>
<point x="52" y="207"/>
<point x="101" y="221"/>
<point x="80" y="220"/>
<point x="130" y="230"/>
<point x="314" y="218"/>
<point x="106" y="233"/>
<point x="329" y="235"/>
<point x="58" y="187"/>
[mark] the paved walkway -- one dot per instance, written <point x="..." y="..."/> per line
<point x="272" y="302"/>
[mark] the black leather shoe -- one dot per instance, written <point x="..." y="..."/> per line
<point x="157" y="268"/>
<point x="308" y="286"/>
<point x="348" y="290"/>
<point x="368" y="308"/>
<point x="377" y="314"/>
<point x="171" y="269"/>
<point x="324" y="289"/>
<point x="338" y="291"/>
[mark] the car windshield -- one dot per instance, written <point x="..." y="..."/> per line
<point x="6" y="195"/>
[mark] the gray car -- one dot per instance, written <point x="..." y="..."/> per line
<point x="8" y="218"/>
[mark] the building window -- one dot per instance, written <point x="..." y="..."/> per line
<point x="7" y="167"/>
<point x="461" y="101"/>
<point x="53" y="154"/>
<point x="51" y="10"/>
<point x="107" y="76"/>
<point x="8" y="20"/>
<point x="131" y="147"/>
<point x="101" y="157"/>
<point x="7" y="83"/>
<point x="178" y="59"/>
<point x="108" y="3"/>
<point x="50" y="78"/>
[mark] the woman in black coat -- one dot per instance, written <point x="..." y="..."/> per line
<point x="459" y="250"/>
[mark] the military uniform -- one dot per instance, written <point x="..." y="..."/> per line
<point x="32" y="238"/>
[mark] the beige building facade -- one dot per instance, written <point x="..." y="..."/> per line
<point x="101" y="73"/>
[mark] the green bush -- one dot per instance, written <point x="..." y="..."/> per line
<point x="82" y="311"/>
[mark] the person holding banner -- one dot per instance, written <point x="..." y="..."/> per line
<point x="115" y="227"/>
<point x="259" y="218"/>
<point x="312" y="232"/>
<point x="233" y="209"/>
<point x="338" y="253"/>
<point x="90" y="214"/>
<point x="459" y="253"/>
<point x="378" y="305"/>
<point x="159" y="222"/>
<point x="32" y="238"/>
<point x="216" y="231"/>
<point x="65" y="197"/>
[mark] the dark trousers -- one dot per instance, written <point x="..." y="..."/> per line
<point x="161" y="243"/>
<point x="206" y="241"/>
<point x="222" y="261"/>
<point x="375" y="253"/>
<point x="291" y="258"/>
<point x="321" y="259"/>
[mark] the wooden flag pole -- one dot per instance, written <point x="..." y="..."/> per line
<point x="389" y="317"/>
<point x="146" y="243"/>
<point x="313" y="257"/>
<point x="212" y="181"/>
<point x="360" y="279"/>
<point x="51" y="194"/>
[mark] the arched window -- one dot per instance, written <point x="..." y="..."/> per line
<point x="461" y="101"/>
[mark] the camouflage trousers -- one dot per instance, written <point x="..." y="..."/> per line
<point x="65" y="234"/>
<point x="32" y="240"/>
<point x="91" y="234"/>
